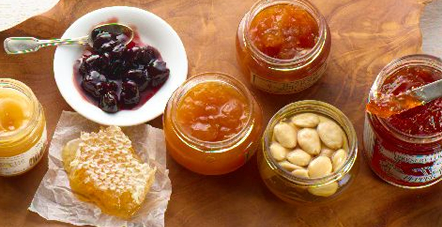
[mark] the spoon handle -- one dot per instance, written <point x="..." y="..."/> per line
<point x="429" y="92"/>
<point x="23" y="45"/>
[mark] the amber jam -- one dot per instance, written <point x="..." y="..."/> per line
<point x="212" y="124"/>
<point x="405" y="148"/>
<point x="212" y="112"/>
<point x="284" y="31"/>
<point x="23" y="136"/>
<point x="283" y="45"/>
<point x="387" y="105"/>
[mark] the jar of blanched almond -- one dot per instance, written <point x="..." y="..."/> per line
<point x="309" y="151"/>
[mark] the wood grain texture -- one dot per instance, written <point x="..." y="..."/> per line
<point x="366" y="35"/>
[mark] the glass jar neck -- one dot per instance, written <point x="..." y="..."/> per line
<point x="396" y="65"/>
<point x="321" y="108"/>
<point x="20" y="135"/>
<point x="207" y="146"/>
<point x="298" y="61"/>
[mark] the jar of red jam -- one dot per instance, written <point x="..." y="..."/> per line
<point x="406" y="149"/>
<point x="283" y="45"/>
<point x="212" y="124"/>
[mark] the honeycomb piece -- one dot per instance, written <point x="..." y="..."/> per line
<point x="104" y="169"/>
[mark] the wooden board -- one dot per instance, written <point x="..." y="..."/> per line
<point x="366" y="35"/>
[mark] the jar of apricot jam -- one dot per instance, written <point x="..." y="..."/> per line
<point x="23" y="136"/>
<point x="406" y="149"/>
<point x="212" y="124"/>
<point x="283" y="45"/>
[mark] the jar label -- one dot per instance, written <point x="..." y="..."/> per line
<point x="393" y="163"/>
<point x="20" y="163"/>
<point x="287" y="87"/>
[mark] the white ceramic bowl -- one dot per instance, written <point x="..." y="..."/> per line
<point x="153" y="31"/>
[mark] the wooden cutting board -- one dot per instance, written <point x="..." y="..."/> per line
<point x="366" y="35"/>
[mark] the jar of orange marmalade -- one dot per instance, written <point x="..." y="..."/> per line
<point x="23" y="137"/>
<point x="406" y="149"/>
<point x="283" y="45"/>
<point x="212" y="124"/>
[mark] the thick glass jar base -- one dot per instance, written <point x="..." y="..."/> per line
<point x="36" y="161"/>
<point x="208" y="165"/>
<point x="405" y="186"/>
<point x="298" y="195"/>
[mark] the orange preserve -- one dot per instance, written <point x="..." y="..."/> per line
<point x="284" y="31"/>
<point x="23" y="136"/>
<point x="387" y="105"/>
<point x="212" y="124"/>
<point x="283" y="45"/>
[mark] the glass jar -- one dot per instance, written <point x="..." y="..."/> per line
<point x="212" y="157"/>
<point x="403" y="159"/>
<point x="297" y="189"/>
<point x="21" y="148"/>
<point x="282" y="76"/>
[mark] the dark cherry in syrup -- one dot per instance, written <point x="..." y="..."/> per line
<point x="119" y="76"/>
<point x="130" y="94"/>
<point x="109" y="102"/>
<point x="159" y="72"/>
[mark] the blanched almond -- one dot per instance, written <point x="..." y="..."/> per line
<point x="325" y="190"/>
<point x="285" y="134"/>
<point x="308" y="140"/>
<point x="325" y="151"/>
<point x="306" y="120"/>
<point x="331" y="134"/>
<point x="300" y="173"/>
<point x="299" y="157"/>
<point x="339" y="158"/>
<point x="320" y="167"/>
<point x="288" y="166"/>
<point x="278" y="152"/>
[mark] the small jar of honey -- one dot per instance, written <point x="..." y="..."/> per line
<point x="212" y="124"/>
<point x="23" y="137"/>
<point x="283" y="45"/>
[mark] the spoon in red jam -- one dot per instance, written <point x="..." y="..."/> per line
<point x="386" y="105"/>
<point x="23" y="45"/>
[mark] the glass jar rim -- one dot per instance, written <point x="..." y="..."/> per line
<point x="323" y="109"/>
<point x="218" y="146"/>
<point x="392" y="67"/>
<point x="8" y="83"/>
<point x="303" y="59"/>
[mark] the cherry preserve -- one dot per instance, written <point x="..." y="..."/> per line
<point x="115" y="75"/>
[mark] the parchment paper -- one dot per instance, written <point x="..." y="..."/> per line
<point x="54" y="199"/>
<point x="431" y="26"/>
<point x="13" y="12"/>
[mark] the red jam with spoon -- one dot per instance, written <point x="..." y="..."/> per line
<point x="386" y="105"/>
<point x="404" y="146"/>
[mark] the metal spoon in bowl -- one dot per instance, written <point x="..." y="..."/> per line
<point x="23" y="45"/>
